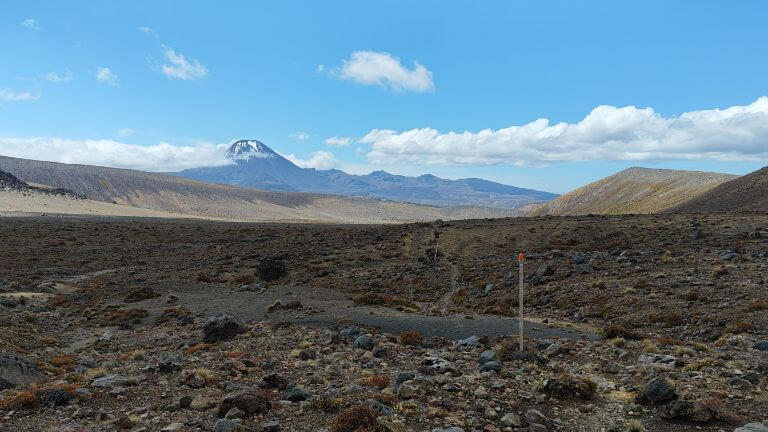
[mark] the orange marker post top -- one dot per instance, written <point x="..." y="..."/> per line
<point x="521" y="257"/>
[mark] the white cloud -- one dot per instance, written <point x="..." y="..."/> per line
<point x="738" y="133"/>
<point x="157" y="157"/>
<point x="383" y="69"/>
<point x="105" y="75"/>
<point x="301" y="136"/>
<point x="31" y="24"/>
<point x="180" y="67"/>
<point x="149" y="31"/>
<point x="55" y="77"/>
<point x="8" y="95"/>
<point x="336" y="141"/>
<point x="320" y="159"/>
<point x="320" y="68"/>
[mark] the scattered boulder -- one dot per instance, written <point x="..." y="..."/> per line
<point x="168" y="363"/>
<point x="656" y="391"/>
<point x="221" y="327"/>
<point x="274" y="381"/>
<point x="686" y="410"/>
<point x="251" y="402"/>
<point x="566" y="386"/>
<point x="18" y="371"/>
<point x="470" y="342"/>
<point x="270" y="269"/>
<point x="761" y="345"/>
<point x="295" y="394"/>
<point x="227" y="425"/>
<point x="491" y="366"/>
<point x="365" y="342"/>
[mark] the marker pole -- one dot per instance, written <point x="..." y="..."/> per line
<point x="521" y="260"/>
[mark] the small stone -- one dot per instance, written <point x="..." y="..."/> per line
<point x="537" y="427"/>
<point x="174" y="427"/>
<point x="761" y="345"/>
<point x="511" y="420"/>
<point x="470" y="342"/>
<point x="487" y="356"/>
<point x="491" y="366"/>
<point x="533" y="416"/>
<point x="406" y="391"/>
<point x="226" y="425"/>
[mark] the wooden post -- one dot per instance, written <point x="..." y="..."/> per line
<point x="521" y="260"/>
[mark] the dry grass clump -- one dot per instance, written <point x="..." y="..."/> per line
<point x="39" y="396"/>
<point x="379" y="381"/>
<point x="357" y="419"/>
<point x="758" y="305"/>
<point x="740" y="326"/>
<point x="123" y="317"/>
<point x="651" y="348"/>
<point x="567" y="386"/>
<point x="172" y="315"/>
<point x="634" y="425"/>
<point x="326" y="405"/>
<point x="376" y="299"/>
<point x="94" y="373"/>
<point x="198" y="347"/>
<point x="62" y="360"/>
<point x="618" y="342"/>
<point x="410" y="337"/>
<point x="291" y="305"/>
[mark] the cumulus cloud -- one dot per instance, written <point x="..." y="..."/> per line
<point x="385" y="70"/>
<point x="158" y="157"/>
<point x="608" y="133"/>
<point x="320" y="159"/>
<point x="55" y="77"/>
<point x="31" y="23"/>
<point x="180" y="67"/>
<point x="8" y="95"/>
<point x="336" y="141"/>
<point x="301" y="136"/>
<point x="105" y="75"/>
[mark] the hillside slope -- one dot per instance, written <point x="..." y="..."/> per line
<point x="634" y="190"/>
<point x="746" y="194"/>
<point x="172" y="194"/>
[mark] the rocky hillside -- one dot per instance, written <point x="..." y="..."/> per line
<point x="747" y="194"/>
<point x="634" y="190"/>
<point x="189" y="197"/>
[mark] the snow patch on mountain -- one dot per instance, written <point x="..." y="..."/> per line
<point x="244" y="150"/>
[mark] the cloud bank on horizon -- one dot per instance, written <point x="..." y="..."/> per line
<point x="607" y="133"/>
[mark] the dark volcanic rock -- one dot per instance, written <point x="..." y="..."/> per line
<point x="686" y="410"/>
<point x="656" y="391"/>
<point x="221" y="327"/>
<point x="251" y="402"/>
<point x="17" y="371"/>
<point x="270" y="269"/>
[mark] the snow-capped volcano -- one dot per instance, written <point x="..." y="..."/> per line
<point x="244" y="150"/>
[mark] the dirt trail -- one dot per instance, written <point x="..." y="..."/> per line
<point x="328" y="308"/>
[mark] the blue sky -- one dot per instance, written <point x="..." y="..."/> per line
<point x="159" y="85"/>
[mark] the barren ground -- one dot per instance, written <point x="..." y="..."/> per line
<point x="614" y="301"/>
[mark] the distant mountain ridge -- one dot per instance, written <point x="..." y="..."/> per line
<point x="634" y="190"/>
<point x="256" y="165"/>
